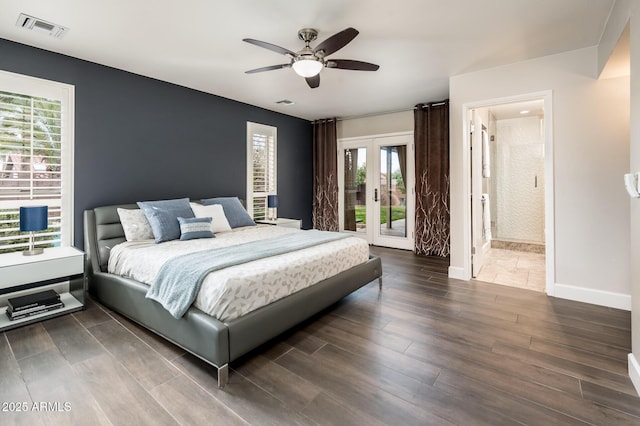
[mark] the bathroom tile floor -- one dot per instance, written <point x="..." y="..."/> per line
<point x="514" y="268"/>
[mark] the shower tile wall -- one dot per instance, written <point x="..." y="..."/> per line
<point x="517" y="189"/>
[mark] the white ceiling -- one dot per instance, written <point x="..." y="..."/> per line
<point x="534" y="108"/>
<point x="418" y="44"/>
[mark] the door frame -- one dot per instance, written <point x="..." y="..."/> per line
<point x="549" y="205"/>
<point x="372" y="142"/>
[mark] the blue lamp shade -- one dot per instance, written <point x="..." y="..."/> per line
<point x="34" y="218"/>
<point x="272" y="201"/>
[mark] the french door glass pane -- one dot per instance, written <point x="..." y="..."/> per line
<point x="355" y="184"/>
<point x="393" y="194"/>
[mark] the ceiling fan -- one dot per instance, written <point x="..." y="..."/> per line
<point x="309" y="61"/>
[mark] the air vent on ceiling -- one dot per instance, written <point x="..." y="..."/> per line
<point x="285" y="102"/>
<point x="32" y="23"/>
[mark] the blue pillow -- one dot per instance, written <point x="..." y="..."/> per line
<point x="163" y="217"/>
<point x="195" y="227"/>
<point x="233" y="209"/>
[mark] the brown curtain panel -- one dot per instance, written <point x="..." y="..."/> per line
<point x="431" y="136"/>
<point x="325" y="175"/>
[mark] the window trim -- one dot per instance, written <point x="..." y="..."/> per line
<point x="65" y="93"/>
<point x="253" y="128"/>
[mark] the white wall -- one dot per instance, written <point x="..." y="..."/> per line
<point x="376" y="125"/>
<point x="634" y="164"/>
<point x="590" y="120"/>
<point x="628" y="11"/>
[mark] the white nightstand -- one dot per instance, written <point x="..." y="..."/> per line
<point x="29" y="274"/>
<point x="281" y="221"/>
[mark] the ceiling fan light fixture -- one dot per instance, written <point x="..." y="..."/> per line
<point x="308" y="62"/>
<point x="307" y="67"/>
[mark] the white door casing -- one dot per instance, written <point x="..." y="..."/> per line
<point x="465" y="272"/>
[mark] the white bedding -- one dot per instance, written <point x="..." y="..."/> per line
<point x="232" y="292"/>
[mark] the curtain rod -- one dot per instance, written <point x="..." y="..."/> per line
<point x="375" y="114"/>
<point x="433" y="104"/>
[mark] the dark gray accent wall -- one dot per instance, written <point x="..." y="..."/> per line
<point x="137" y="138"/>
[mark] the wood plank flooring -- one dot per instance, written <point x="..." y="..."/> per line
<point x="426" y="350"/>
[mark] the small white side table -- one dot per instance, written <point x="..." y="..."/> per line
<point x="281" y="221"/>
<point x="27" y="274"/>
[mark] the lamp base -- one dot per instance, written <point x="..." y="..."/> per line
<point x="32" y="249"/>
<point x="33" y="252"/>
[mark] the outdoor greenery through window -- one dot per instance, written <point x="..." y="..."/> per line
<point x="355" y="190"/>
<point x="261" y="168"/>
<point x="32" y="166"/>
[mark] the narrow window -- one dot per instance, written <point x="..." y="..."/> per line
<point x="262" y="178"/>
<point x="36" y="161"/>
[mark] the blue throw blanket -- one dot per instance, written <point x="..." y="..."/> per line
<point x="180" y="278"/>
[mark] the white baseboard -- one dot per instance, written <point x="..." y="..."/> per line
<point x="595" y="297"/>
<point x="634" y="372"/>
<point x="457" y="273"/>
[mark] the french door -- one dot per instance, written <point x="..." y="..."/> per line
<point x="376" y="181"/>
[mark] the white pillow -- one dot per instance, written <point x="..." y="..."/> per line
<point x="219" y="222"/>
<point x="135" y="224"/>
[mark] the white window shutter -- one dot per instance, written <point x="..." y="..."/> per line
<point x="261" y="167"/>
<point x="35" y="165"/>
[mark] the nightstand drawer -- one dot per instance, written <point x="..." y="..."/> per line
<point x="57" y="262"/>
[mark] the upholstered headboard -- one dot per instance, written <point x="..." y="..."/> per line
<point x="102" y="231"/>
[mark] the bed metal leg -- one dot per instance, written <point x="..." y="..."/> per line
<point x="380" y="283"/>
<point x="223" y="376"/>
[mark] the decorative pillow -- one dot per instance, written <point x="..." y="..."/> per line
<point x="135" y="224"/>
<point x="219" y="221"/>
<point x="233" y="210"/>
<point x="195" y="227"/>
<point x="163" y="217"/>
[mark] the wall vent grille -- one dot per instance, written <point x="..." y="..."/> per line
<point x="40" y="25"/>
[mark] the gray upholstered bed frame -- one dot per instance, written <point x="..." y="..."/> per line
<point x="216" y="342"/>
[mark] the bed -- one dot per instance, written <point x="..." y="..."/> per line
<point x="216" y="340"/>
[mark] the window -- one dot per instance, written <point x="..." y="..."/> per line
<point x="262" y="177"/>
<point x="36" y="146"/>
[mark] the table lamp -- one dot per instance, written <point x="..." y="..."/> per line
<point x="33" y="218"/>
<point x="272" y="203"/>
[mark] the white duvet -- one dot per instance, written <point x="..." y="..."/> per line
<point x="232" y="292"/>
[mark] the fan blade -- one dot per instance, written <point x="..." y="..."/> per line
<point x="348" y="64"/>
<point x="270" y="46"/>
<point x="269" y="68"/>
<point x="314" y="81"/>
<point x="336" y="41"/>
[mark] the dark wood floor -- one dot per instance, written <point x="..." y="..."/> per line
<point x="425" y="350"/>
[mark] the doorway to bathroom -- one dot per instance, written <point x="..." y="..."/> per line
<point x="509" y="188"/>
